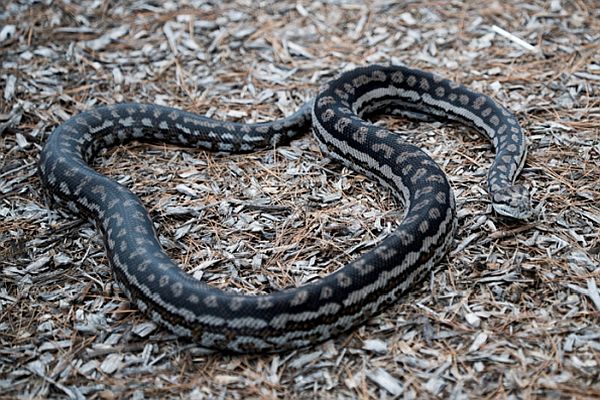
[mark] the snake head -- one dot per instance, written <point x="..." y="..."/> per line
<point x="513" y="201"/>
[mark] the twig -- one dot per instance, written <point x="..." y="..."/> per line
<point x="515" y="39"/>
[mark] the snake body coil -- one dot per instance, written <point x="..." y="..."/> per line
<point x="299" y="316"/>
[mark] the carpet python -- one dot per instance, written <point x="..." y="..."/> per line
<point x="298" y="316"/>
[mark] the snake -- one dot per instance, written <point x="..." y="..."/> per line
<point x="339" y="114"/>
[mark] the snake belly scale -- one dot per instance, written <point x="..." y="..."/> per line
<point x="294" y="317"/>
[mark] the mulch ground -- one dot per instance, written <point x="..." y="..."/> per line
<point x="513" y="311"/>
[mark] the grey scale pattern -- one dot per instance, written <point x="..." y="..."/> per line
<point x="300" y="316"/>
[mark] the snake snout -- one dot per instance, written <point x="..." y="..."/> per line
<point x="513" y="201"/>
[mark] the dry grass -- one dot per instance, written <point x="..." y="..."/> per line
<point x="512" y="312"/>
